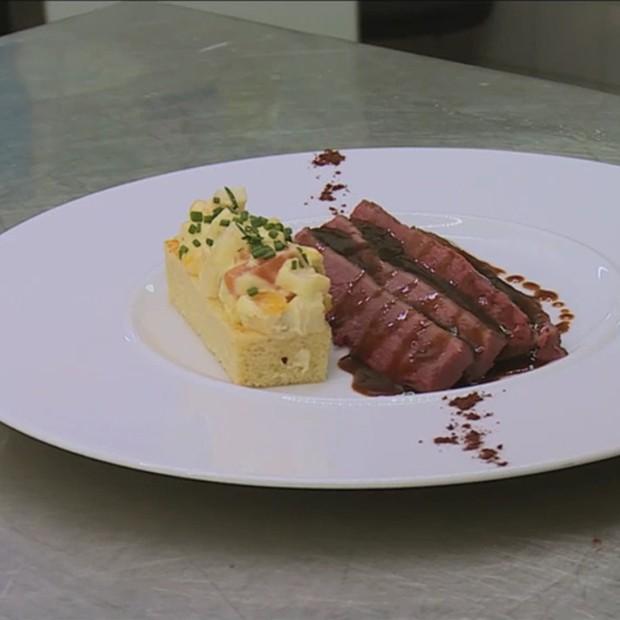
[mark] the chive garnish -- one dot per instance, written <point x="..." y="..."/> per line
<point x="209" y="242"/>
<point x="216" y="200"/>
<point x="183" y="250"/>
<point x="288" y="231"/>
<point x="294" y="264"/>
<point x="262" y="251"/>
<point x="233" y="200"/>
<point x="279" y="246"/>
<point x="252" y="291"/>
<point x="217" y="211"/>
<point x="192" y="229"/>
<point x="224" y="223"/>
<point x="303" y="255"/>
<point x="273" y="234"/>
<point x="196" y="216"/>
<point x="196" y="243"/>
<point x="208" y="219"/>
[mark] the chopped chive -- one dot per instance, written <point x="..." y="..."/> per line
<point x="233" y="200"/>
<point x="208" y="219"/>
<point x="216" y="200"/>
<point x="243" y="216"/>
<point x="263" y="251"/>
<point x="273" y="234"/>
<point x="217" y="211"/>
<point x="288" y="231"/>
<point x="224" y="223"/>
<point x="279" y="246"/>
<point x="192" y="229"/>
<point x="303" y="255"/>
<point x="196" y="243"/>
<point x="183" y="250"/>
<point x="209" y="242"/>
<point x="257" y="250"/>
<point x="196" y="216"/>
<point x="294" y="264"/>
<point x="280" y="226"/>
<point x="252" y="291"/>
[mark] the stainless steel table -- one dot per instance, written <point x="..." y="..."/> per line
<point x="140" y="89"/>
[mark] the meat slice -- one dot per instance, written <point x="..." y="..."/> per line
<point x="384" y="332"/>
<point x="486" y="342"/>
<point x="547" y="335"/>
<point x="442" y="260"/>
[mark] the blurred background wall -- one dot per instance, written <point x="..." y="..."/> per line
<point x="332" y="17"/>
<point x="571" y="41"/>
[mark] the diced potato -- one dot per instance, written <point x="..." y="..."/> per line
<point x="302" y="281"/>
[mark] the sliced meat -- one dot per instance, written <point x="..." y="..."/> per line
<point x="442" y="261"/>
<point x="547" y="335"/>
<point x="385" y="333"/>
<point x="342" y="235"/>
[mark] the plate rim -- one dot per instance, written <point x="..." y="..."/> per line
<point x="335" y="484"/>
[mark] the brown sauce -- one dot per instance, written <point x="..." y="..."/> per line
<point x="391" y="251"/>
<point x="546" y="295"/>
<point x="530" y="305"/>
<point x="371" y="383"/>
<point x="539" y="293"/>
<point x="515" y="279"/>
<point x="507" y="368"/>
<point x="367" y="381"/>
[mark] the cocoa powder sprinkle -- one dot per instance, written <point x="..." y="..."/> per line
<point x="466" y="402"/>
<point x="472" y="416"/>
<point x="327" y="195"/>
<point x="453" y="439"/>
<point x="473" y="440"/>
<point x="329" y="157"/>
<point x="470" y="437"/>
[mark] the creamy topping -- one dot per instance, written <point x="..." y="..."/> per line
<point x="265" y="281"/>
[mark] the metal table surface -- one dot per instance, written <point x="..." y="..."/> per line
<point x="140" y="89"/>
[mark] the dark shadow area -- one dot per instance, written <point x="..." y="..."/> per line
<point x="18" y="15"/>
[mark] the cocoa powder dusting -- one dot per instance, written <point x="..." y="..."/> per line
<point x="466" y="402"/>
<point x="441" y="440"/>
<point x="329" y="157"/>
<point x="469" y="437"/>
<point x="327" y="195"/>
<point x="473" y="440"/>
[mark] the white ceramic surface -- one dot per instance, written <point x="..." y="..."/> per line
<point x="95" y="361"/>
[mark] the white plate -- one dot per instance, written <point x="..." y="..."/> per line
<point x="96" y="362"/>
